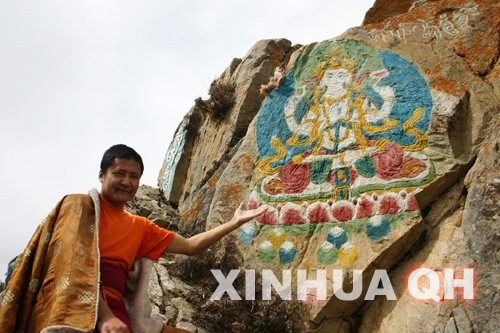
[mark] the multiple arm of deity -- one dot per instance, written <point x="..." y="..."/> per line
<point x="386" y="92"/>
<point x="338" y="105"/>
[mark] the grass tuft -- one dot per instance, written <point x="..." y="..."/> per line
<point x="221" y="100"/>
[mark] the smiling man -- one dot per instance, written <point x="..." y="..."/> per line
<point x="72" y="274"/>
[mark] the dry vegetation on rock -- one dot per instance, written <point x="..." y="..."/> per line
<point x="228" y="315"/>
<point x="249" y="316"/>
<point x="221" y="99"/>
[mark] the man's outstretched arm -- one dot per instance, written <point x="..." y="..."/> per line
<point x="195" y="244"/>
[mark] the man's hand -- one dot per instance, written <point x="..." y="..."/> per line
<point x="107" y="322"/>
<point x="206" y="239"/>
<point x="112" y="325"/>
<point x="241" y="216"/>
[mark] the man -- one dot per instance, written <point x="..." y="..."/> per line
<point x="87" y="240"/>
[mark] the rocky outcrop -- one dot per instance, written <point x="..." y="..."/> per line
<point x="463" y="230"/>
<point x="384" y="9"/>
<point x="200" y="144"/>
<point x="150" y="203"/>
<point x="377" y="152"/>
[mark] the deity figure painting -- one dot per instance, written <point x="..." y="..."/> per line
<point x="340" y="141"/>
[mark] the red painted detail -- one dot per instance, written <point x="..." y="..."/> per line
<point x="295" y="177"/>
<point x="412" y="167"/>
<point x="343" y="213"/>
<point x="353" y="174"/>
<point x="331" y="177"/>
<point x="366" y="208"/>
<point x="362" y="77"/>
<point x="307" y="153"/>
<point x="252" y="204"/>
<point x="268" y="217"/>
<point x="292" y="216"/>
<point x="412" y="204"/>
<point x="390" y="163"/>
<point x="275" y="186"/>
<point x="389" y="205"/>
<point x="318" y="214"/>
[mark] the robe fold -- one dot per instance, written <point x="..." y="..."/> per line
<point x="55" y="285"/>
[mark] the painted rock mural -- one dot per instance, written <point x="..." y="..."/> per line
<point x="345" y="141"/>
<point x="343" y="149"/>
<point x="171" y="161"/>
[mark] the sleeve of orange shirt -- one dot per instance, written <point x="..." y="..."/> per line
<point x="155" y="240"/>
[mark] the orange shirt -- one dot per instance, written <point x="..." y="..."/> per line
<point x="124" y="238"/>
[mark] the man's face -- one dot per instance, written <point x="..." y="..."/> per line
<point x="121" y="181"/>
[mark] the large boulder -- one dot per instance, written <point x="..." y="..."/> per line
<point x="378" y="147"/>
<point x="202" y="139"/>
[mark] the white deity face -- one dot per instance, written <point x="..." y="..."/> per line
<point x="336" y="78"/>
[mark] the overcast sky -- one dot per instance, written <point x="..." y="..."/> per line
<point x="77" y="77"/>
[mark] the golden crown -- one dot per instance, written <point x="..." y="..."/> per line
<point x="335" y="60"/>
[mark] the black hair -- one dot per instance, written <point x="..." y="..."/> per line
<point x="119" y="151"/>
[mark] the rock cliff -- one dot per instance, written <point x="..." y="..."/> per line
<point x="375" y="151"/>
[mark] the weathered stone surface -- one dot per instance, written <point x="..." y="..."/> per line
<point x="181" y="304"/>
<point x="149" y="203"/>
<point x="288" y="163"/>
<point x="183" y="315"/>
<point x="170" y="314"/>
<point x="464" y="236"/>
<point x="231" y="189"/>
<point x="156" y="310"/>
<point x="462" y="321"/>
<point x="392" y="316"/>
<point x="384" y="9"/>
<point x="187" y="326"/>
<point x="331" y="326"/>
<point x="170" y="284"/>
<point x="155" y="291"/>
<point x="196" y="208"/>
<point x="450" y="326"/>
<point x="212" y="138"/>
<point x="172" y="176"/>
<point x="365" y="131"/>
<point x="493" y="78"/>
<point x="445" y="204"/>
<point x="481" y="221"/>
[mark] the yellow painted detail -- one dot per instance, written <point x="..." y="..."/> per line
<point x="298" y="159"/>
<point x="294" y="139"/>
<point x="359" y="136"/>
<point x="317" y="149"/>
<point x="277" y="240"/>
<point x="265" y="164"/>
<point x="341" y="175"/>
<point x="335" y="189"/>
<point x="381" y="143"/>
<point x="347" y="258"/>
<point x="342" y="159"/>
<point x="422" y="140"/>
